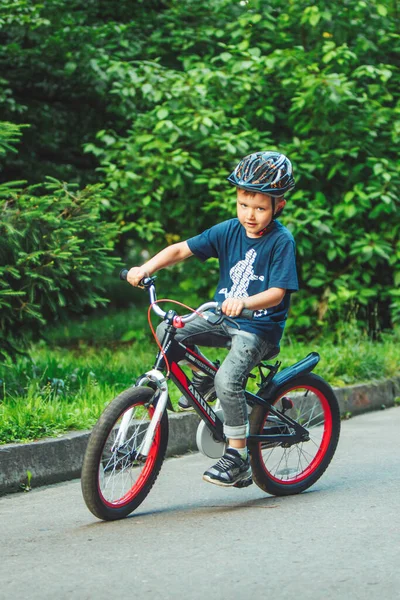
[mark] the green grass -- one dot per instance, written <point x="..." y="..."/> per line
<point x="71" y="377"/>
<point x="63" y="389"/>
<point x="108" y="328"/>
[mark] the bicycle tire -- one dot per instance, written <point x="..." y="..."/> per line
<point x="105" y="469"/>
<point x="284" y="471"/>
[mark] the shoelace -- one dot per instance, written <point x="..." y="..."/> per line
<point x="225" y="463"/>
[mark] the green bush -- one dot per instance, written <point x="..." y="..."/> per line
<point x="178" y="91"/>
<point x="318" y="82"/>
<point x="53" y="252"/>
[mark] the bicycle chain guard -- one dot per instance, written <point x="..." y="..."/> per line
<point x="206" y="442"/>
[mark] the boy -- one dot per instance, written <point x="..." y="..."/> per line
<point x="257" y="271"/>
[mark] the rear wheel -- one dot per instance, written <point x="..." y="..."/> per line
<point x="115" y="478"/>
<point x="281" y="470"/>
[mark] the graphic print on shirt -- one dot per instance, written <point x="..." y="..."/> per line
<point x="241" y="274"/>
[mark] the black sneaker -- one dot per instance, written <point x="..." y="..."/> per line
<point x="229" y="470"/>
<point x="203" y="384"/>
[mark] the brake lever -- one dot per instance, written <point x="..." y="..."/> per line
<point x="220" y="317"/>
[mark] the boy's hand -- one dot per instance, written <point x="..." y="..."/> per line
<point x="232" y="307"/>
<point x="135" y="275"/>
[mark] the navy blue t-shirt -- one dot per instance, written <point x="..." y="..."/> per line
<point x="249" y="266"/>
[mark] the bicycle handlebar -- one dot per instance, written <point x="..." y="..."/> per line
<point x="148" y="283"/>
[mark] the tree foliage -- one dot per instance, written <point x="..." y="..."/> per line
<point x="167" y="96"/>
<point x="52" y="244"/>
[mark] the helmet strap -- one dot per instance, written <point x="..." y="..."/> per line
<point x="260" y="233"/>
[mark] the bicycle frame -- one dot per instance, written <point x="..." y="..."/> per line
<point x="174" y="352"/>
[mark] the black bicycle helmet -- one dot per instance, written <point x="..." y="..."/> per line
<point x="264" y="172"/>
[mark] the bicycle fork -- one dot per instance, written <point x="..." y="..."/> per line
<point x="156" y="378"/>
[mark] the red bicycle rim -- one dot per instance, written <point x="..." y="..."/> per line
<point x="323" y="446"/>
<point x="144" y="475"/>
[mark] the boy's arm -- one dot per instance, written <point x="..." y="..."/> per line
<point x="167" y="257"/>
<point x="271" y="297"/>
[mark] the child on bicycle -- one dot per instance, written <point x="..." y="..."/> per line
<point x="257" y="271"/>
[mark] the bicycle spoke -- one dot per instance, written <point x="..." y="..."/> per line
<point x="121" y="471"/>
<point x="289" y="464"/>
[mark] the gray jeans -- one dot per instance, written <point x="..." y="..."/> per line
<point x="246" y="351"/>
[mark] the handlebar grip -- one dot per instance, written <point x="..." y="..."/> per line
<point x="247" y="314"/>
<point x="145" y="282"/>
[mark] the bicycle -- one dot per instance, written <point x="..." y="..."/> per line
<point x="294" y="423"/>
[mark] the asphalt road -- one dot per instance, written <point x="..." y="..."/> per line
<point x="192" y="540"/>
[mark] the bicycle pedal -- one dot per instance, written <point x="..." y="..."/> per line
<point x="243" y="483"/>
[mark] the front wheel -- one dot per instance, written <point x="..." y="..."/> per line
<point x="115" y="478"/>
<point x="287" y="469"/>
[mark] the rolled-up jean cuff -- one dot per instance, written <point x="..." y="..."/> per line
<point x="236" y="433"/>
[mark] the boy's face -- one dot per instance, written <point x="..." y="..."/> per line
<point x="254" y="211"/>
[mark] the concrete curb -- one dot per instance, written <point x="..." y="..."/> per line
<point x="59" y="459"/>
